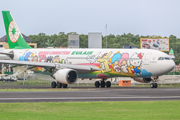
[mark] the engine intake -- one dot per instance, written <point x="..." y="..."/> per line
<point x="143" y="80"/>
<point x="66" y="76"/>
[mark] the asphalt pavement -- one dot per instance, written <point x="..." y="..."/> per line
<point x="90" y="94"/>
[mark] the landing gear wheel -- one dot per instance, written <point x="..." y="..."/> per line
<point x="108" y="84"/>
<point x="155" y="85"/>
<point x="53" y="84"/>
<point x="64" y="85"/>
<point x="97" y="84"/>
<point x="102" y="84"/>
<point x="152" y="85"/>
<point x="59" y="85"/>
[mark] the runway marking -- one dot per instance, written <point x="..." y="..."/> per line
<point x="80" y="98"/>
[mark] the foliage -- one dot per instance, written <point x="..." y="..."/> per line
<point x="113" y="41"/>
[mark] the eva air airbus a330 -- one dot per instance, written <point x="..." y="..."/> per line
<point x="67" y="65"/>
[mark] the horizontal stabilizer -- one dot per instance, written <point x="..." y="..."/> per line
<point x="11" y="55"/>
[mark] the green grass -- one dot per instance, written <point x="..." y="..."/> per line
<point x="56" y="89"/>
<point x="27" y="82"/>
<point x="159" y="85"/>
<point x="147" y="110"/>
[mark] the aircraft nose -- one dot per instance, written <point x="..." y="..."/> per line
<point x="166" y="66"/>
<point x="170" y="66"/>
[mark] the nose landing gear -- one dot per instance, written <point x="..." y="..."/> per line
<point x="154" y="84"/>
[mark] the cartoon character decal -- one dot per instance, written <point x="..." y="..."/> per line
<point x="56" y="59"/>
<point x="111" y="64"/>
<point x="115" y="61"/>
<point x="42" y="58"/>
<point x="21" y="58"/>
<point x="93" y="58"/>
<point x="104" y="62"/>
<point x="64" y="61"/>
<point x="135" y="62"/>
<point x="35" y="58"/>
<point x="27" y="55"/>
<point x="49" y="59"/>
<point x="123" y="62"/>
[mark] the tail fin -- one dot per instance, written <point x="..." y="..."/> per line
<point x="171" y="53"/>
<point x="14" y="36"/>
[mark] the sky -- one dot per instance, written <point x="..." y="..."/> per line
<point x="142" y="17"/>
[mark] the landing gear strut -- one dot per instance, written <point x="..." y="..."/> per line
<point x="102" y="84"/>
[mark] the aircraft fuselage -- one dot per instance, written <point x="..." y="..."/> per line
<point x="112" y="62"/>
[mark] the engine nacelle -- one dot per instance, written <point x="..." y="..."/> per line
<point x="66" y="76"/>
<point x="143" y="80"/>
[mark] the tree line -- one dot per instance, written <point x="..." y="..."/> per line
<point x="113" y="41"/>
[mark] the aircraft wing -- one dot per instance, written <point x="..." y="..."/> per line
<point x="78" y="68"/>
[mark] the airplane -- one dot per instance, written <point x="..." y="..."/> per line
<point x="67" y="65"/>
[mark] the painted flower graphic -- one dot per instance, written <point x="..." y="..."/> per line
<point x="13" y="32"/>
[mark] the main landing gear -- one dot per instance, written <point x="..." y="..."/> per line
<point x="102" y="84"/>
<point x="58" y="85"/>
<point x="154" y="84"/>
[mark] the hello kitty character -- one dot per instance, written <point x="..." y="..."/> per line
<point x="135" y="62"/>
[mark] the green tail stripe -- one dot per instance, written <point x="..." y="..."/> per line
<point x="14" y="36"/>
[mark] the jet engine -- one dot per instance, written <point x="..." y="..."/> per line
<point x="143" y="80"/>
<point x="66" y="76"/>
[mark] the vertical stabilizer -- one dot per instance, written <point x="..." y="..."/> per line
<point x="14" y="36"/>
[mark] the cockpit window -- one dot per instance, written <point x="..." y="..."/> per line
<point x="167" y="58"/>
<point x="164" y="58"/>
<point x="160" y="58"/>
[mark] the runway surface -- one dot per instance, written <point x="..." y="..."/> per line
<point x="93" y="94"/>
